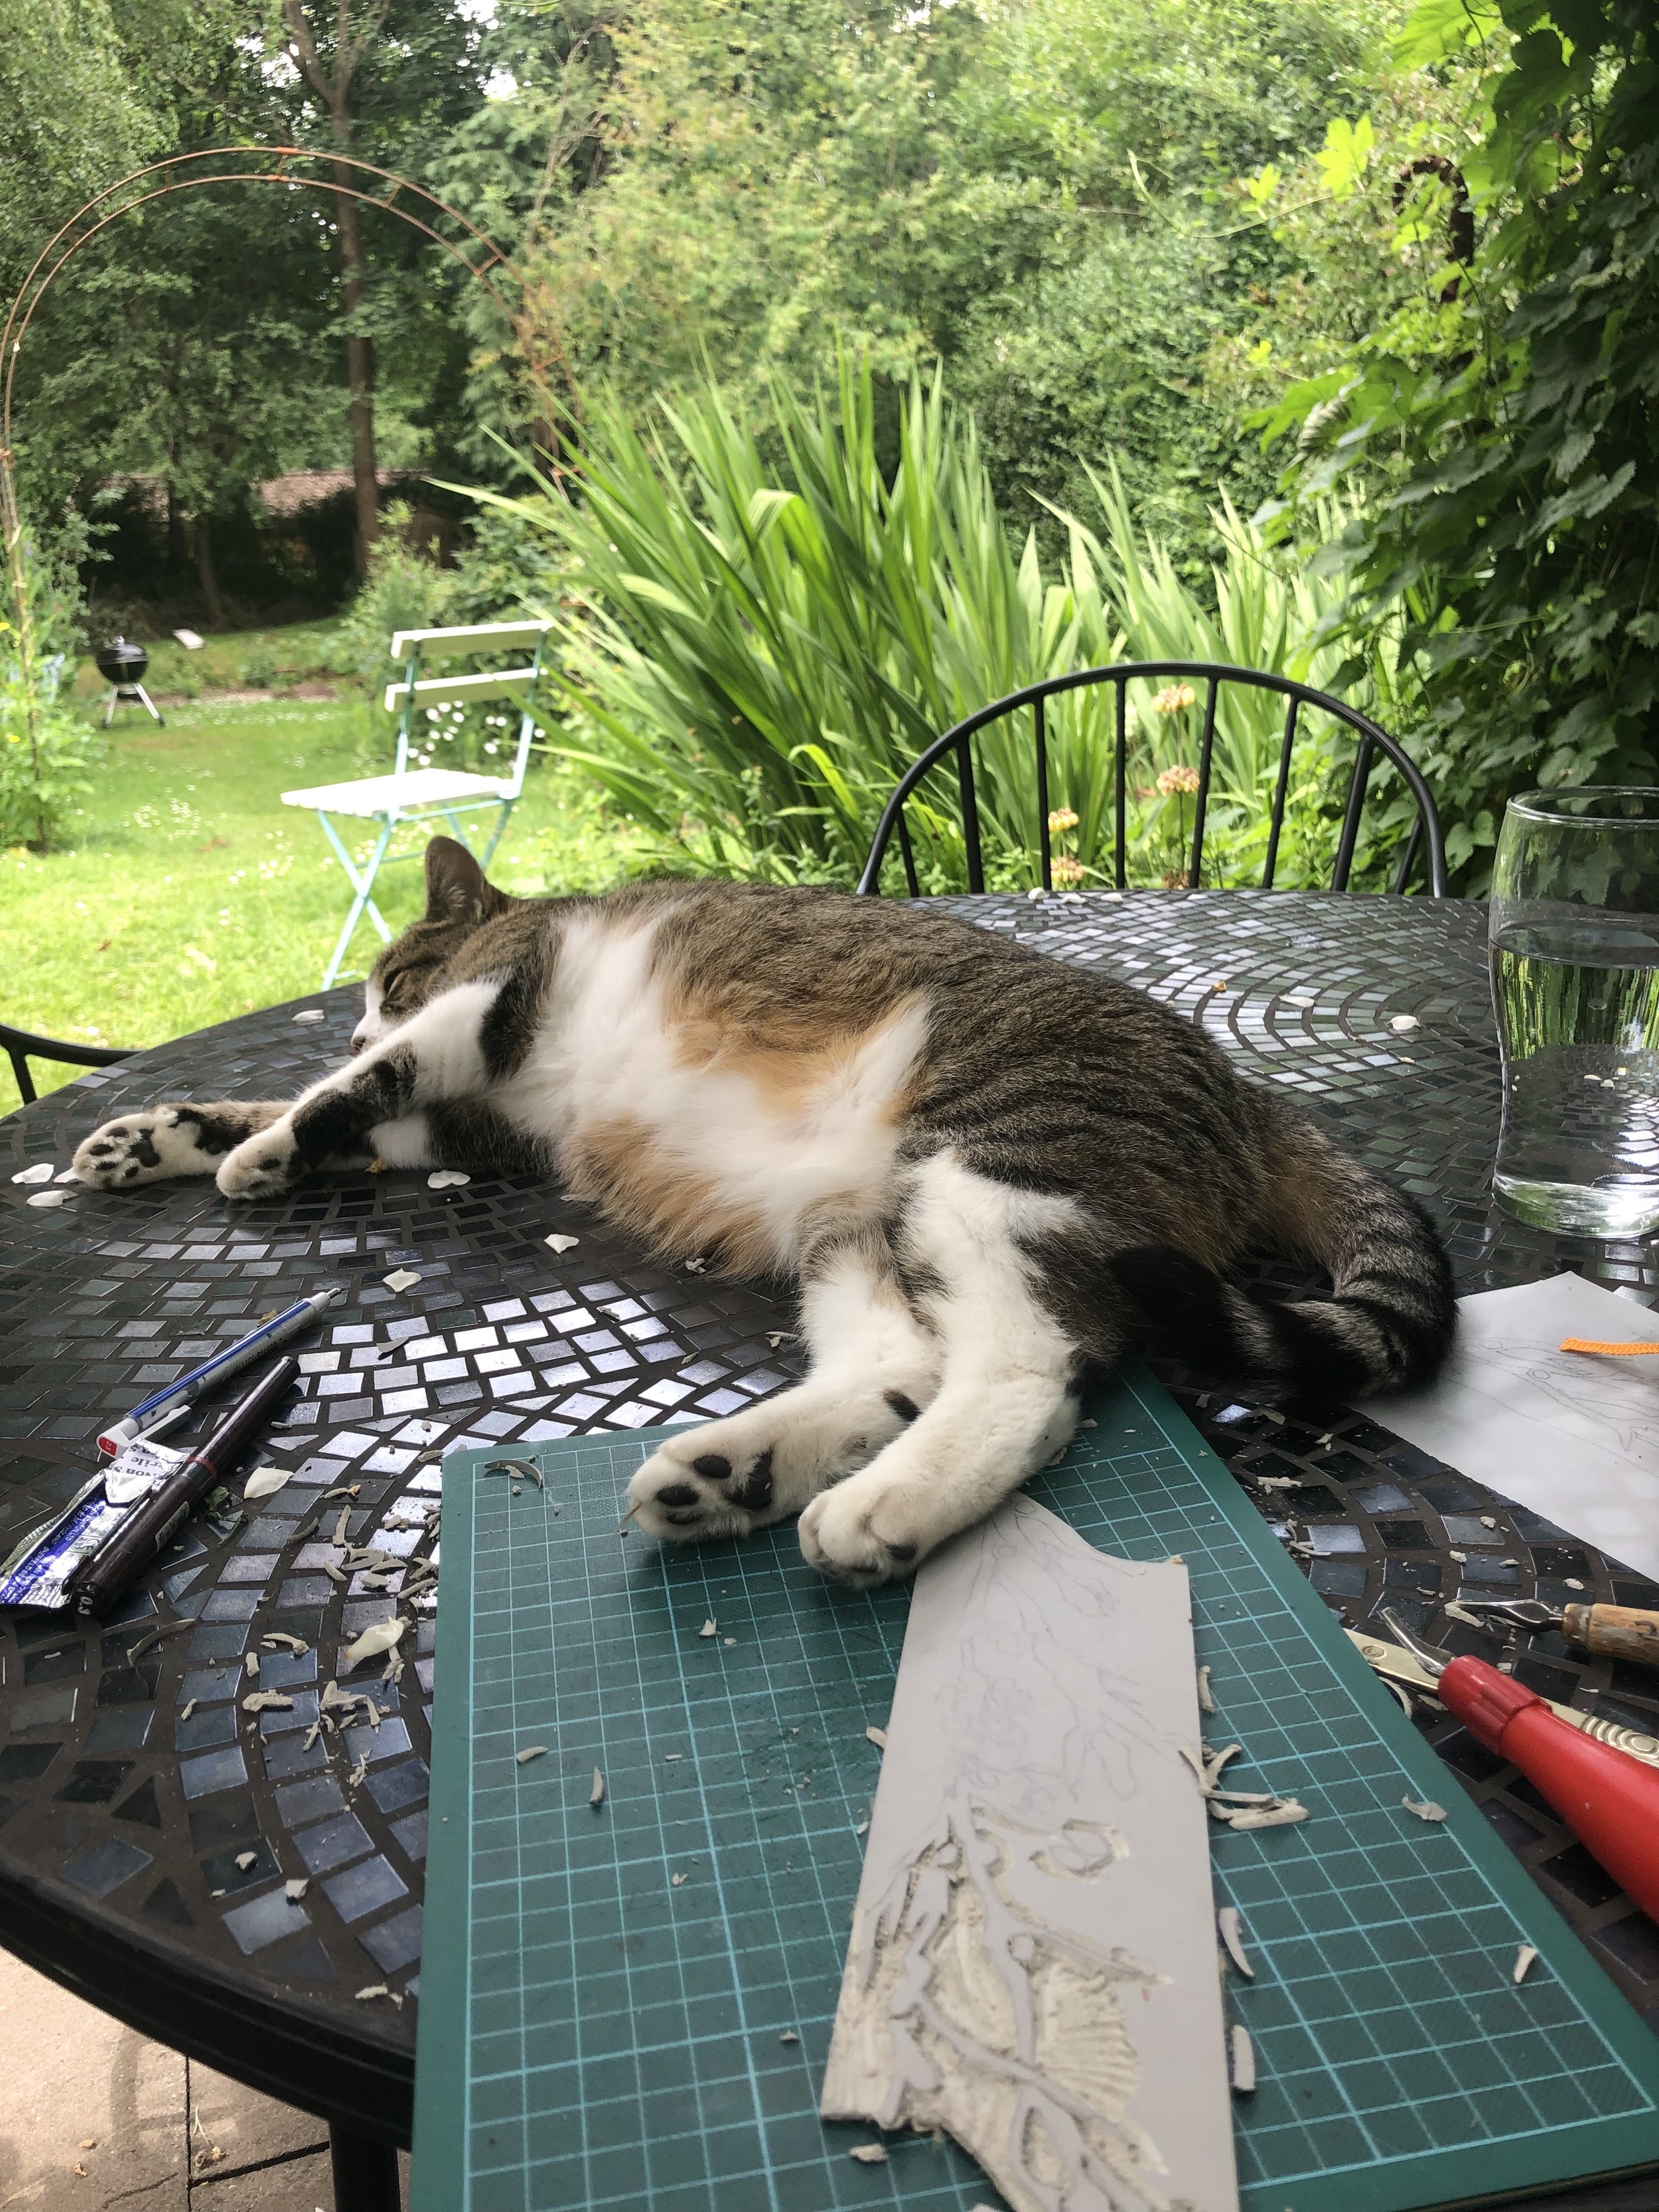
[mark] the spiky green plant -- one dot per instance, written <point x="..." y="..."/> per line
<point x="754" y="651"/>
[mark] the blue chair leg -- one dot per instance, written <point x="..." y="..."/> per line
<point x="505" y="817"/>
<point x="363" y="885"/>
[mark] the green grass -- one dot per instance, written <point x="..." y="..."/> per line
<point x="190" y="893"/>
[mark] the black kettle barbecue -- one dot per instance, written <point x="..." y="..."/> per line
<point x="123" y="663"/>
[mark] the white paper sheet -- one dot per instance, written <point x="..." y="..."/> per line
<point x="1568" y="1435"/>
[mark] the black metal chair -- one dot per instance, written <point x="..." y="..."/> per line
<point x="1372" y="740"/>
<point x="20" y="1047"/>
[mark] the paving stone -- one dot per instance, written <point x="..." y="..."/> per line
<point x="78" y="2088"/>
<point x="245" y="2126"/>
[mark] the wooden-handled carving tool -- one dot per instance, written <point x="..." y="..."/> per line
<point x="1611" y="1631"/>
<point x="1610" y="1803"/>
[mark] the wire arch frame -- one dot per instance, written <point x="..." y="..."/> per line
<point x="96" y="216"/>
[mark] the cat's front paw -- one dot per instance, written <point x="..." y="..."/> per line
<point x="867" y="1530"/>
<point x="688" y="1491"/>
<point x="146" y="1146"/>
<point x="262" y="1166"/>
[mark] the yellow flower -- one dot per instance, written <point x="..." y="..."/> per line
<point x="1172" y="698"/>
<point x="1177" y="779"/>
<point x="1066" y="870"/>
<point x="1062" y="819"/>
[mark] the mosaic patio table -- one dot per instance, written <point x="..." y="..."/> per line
<point x="148" y="1827"/>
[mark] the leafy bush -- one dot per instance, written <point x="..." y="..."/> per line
<point x="45" y="748"/>
<point x="754" y="656"/>
<point x="1506" y="432"/>
<point x="1033" y="194"/>
<point x="507" y="568"/>
<point x="403" y="589"/>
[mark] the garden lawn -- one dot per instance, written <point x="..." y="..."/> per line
<point x="190" y="893"/>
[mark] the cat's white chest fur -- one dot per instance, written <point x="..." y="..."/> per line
<point x="673" y="1120"/>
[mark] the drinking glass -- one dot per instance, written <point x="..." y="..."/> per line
<point x="1574" y="942"/>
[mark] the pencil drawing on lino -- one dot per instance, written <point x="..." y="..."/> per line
<point x="1033" y="1966"/>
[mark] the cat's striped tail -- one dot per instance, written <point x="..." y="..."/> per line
<point x="1387" y="1324"/>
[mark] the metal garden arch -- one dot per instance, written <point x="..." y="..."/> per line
<point x="290" y="168"/>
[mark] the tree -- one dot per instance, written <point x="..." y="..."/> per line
<point x="514" y="166"/>
<point x="1508" y="431"/>
<point x="331" y="70"/>
<point x="389" y="81"/>
<point x="185" y="343"/>
<point x="1033" y="193"/>
<point x="71" y="120"/>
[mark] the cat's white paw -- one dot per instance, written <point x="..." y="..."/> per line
<point x="689" y="1489"/>
<point x="263" y="1165"/>
<point x="873" y="1527"/>
<point x="145" y="1146"/>
<point x="757" y="1467"/>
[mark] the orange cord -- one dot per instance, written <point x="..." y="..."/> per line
<point x="1614" y="1351"/>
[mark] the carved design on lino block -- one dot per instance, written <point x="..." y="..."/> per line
<point x="1033" y="1961"/>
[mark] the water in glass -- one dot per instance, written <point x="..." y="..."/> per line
<point x="1575" y="986"/>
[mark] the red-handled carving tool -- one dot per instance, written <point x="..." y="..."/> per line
<point x="1609" y="1801"/>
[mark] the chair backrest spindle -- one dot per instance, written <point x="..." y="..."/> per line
<point x="969" y="816"/>
<point x="908" y="857"/>
<point x="1120" y="771"/>
<point x="1351" y="813"/>
<point x="1408" y="857"/>
<point x="1281" y="786"/>
<point x="1201" y="804"/>
<point x="1042" y="793"/>
<point x="411" y="678"/>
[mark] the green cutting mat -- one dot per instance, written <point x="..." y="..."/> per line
<point x="593" y="2034"/>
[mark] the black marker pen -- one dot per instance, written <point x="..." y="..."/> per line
<point x="99" y="1582"/>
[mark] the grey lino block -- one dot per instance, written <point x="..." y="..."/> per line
<point x="1033" y="1961"/>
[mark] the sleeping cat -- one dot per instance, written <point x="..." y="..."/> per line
<point x="990" y="1174"/>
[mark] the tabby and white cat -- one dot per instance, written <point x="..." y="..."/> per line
<point x="990" y="1174"/>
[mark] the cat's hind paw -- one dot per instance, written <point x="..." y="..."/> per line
<point x="264" y="1165"/>
<point x="688" y="1493"/>
<point x="732" y="1477"/>
<point x="867" y="1530"/>
<point x="146" y="1146"/>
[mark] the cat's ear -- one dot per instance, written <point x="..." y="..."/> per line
<point x="455" y="887"/>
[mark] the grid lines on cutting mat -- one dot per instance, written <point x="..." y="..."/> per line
<point x="1386" y="2025"/>
<point x="666" y="2081"/>
<point x="624" y="2033"/>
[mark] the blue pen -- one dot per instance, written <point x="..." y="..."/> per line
<point x="164" y="1404"/>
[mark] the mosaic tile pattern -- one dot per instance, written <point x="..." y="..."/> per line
<point x="129" y="1777"/>
<point x="133" y="1789"/>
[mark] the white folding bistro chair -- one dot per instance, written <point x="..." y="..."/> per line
<point x="419" y="798"/>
